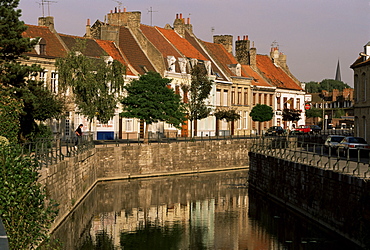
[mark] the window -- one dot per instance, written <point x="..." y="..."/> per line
<point x="129" y="125"/>
<point x="240" y="120"/>
<point x="245" y="96"/>
<point x="218" y="97"/>
<point x="225" y="98"/>
<point x="43" y="77"/>
<point x="233" y="96"/>
<point x="245" y="119"/>
<point x="67" y="126"/>
<point x="54" y="82"/>
<point x="254" y="98"/>
<point x="239" y="100"/>
<point x="298" y="103"/>
<point x="278" y="100"/>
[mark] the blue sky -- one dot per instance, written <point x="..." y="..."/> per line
<point x="313" y="34"/>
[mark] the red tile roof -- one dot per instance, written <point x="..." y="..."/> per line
<point x="110" y="48"/>
<point x="159" y="41"/>
<point x="221" y="56"/>
<point x="257" y="79"/>
<point x="182" y="44"/>
<point x="133" y="52"/>
<point x="275" y="75"/>
<point x="54" y="47"/>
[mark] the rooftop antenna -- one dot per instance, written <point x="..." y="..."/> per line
<point x="42" y="3"/>
<point x="119" y="3"/>
<point x="212" y="30"/>
<point x="275" y="44"/>
<point x="151" y="15"/>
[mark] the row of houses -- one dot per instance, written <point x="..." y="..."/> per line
<point x="242" y="77"/>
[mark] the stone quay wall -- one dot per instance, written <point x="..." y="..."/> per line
<point x="338" y="201"/>
<point x="69" y="181"/>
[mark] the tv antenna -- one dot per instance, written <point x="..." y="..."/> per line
<point x="43" y="3"/>
<point x="151" y="15"/>
<point x="119" y="3"/>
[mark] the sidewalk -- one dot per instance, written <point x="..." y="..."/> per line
<point x="3" y="238"/>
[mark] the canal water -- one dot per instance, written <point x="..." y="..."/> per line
<point x="202" y="211"/>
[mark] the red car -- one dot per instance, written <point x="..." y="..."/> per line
<point x="302" y="129"/>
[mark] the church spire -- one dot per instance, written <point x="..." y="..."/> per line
<point x="337" y="74"/>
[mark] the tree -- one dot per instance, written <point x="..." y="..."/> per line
<point x="326" y="84"/>
<point x="198" y="90"/>
<point x="96" y="84"/>
<point x="149" y="99"/>
<point x="230" y="115"/>
<point x="17" y="78"/>
<point x="261" y="113"/>
<point x="24" y="209"/>
<point x="313" y="112"/>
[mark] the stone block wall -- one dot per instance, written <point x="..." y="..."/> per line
<point x="339" y="201"/>
<point x="69" y="181"/>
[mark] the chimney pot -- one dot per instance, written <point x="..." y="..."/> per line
<point x="246" y="37"/>
<point x="124" y="9"/>
<point x="238" y="38"/>
<point x="180" y="15"/>
<point x="177" y="16"/>
<point x="188" y="20"/>
<point x="88" y="22"/>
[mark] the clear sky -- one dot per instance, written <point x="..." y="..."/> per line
<point x="313" y="34"/>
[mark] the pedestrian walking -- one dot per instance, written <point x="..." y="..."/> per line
<point x="78" y="133"/>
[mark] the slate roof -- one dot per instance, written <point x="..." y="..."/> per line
<point x="54" y="47"/>
<point x="133" y="52"/>
<point x="92" y="48"/>
<point x="275" y="75"/>
<point x="110" y="48"/>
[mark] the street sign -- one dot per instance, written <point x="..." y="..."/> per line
<point x="307" y="106"/>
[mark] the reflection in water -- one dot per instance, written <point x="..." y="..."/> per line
<point x="204" y="211"/>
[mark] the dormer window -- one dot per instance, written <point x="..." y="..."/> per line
<point x="40" y="47"/>
<point x="171" y="63"/>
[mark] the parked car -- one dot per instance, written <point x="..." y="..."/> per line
<point x="332" y="142"/>
<point x="315" y="128"/>
<point x="352" y="144"/>
<point x="275" y="130"/>
<point x="302" y="129"/>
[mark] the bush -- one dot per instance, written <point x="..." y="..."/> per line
<point x="24" y="208"/>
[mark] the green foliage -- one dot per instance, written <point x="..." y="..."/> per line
<point x="313" y="112"/>
<point x="10" y="110"/>
<point x="326" y="84"/>
<point x="24" y="209"/>
<point x="149" y="99"/>
<point x="229" y="115"/>
<point x="16" y="77"/>
<point x="291" y="115"/>
<point x="198" y="90"/>
<point x="338" y="113"/>
<point x="261" y="113"/>
<point x="95" y="84"/>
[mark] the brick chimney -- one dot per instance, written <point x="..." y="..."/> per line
<point x="130" y="19"/>
<point x="47" y="21"/>
<point x="88" y="29"/>
<point x="242" y="49"/>
<point x="179" y="25"/>
<point x="225" y="40"/>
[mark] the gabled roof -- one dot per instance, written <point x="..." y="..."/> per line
<point x="275" y="75"/>
<point x="161" y="43"/>
<point x="54" y="47"/>
<point x="110" y="48"/>
<point x="133" y="52"/>
<point x="92" y="49"/>
<point x="219" y="54"/>
<point x="182" y="44"/>
<point x="257" y="79"/>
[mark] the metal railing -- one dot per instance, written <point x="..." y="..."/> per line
<point x="49" y="151"/>
<point x="315" y="154"/>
